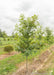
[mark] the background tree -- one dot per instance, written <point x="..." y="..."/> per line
<point x="3" y="34"/>
<point x="13" y="34"/>
<point x="16" y="36"/>
<point x="49" y="35"/>
<point x="0" y="33"/>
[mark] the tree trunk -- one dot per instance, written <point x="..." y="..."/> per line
<point x="26" y="65"/>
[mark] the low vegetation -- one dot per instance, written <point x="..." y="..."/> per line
<point x="8" y="48"/>
<point x="11" y="64"/>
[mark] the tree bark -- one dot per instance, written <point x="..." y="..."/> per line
<point x="26" y="65"/>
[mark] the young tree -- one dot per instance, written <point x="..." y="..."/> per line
<point x="49" y="35"/>
<point x="26" y="32"/>
<point x="0" y="33"/>
<point x="4" y="34"/>
<point x="16" y="36"/>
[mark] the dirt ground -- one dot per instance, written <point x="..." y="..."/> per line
<point x="7" y="55"/>
<point x="36" y="64"/>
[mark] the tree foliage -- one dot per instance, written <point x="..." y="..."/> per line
<point x="27" y="30"/>
<point x="3" y="34"/>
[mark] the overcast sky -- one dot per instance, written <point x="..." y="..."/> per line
<point x="11" y="9"/>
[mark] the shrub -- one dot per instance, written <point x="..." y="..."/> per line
<point x="8" y="39"/>
<point x="8" y="48"/>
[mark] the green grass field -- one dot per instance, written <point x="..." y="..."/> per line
<point x="8" y="65"/>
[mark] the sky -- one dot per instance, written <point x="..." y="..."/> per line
<point x="10" y="11"/>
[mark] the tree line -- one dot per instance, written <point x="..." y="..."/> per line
<point x="3" y="33"/>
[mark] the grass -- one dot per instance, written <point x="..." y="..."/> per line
<point x="2" y="51"/>
<point x="8" y="65"/>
